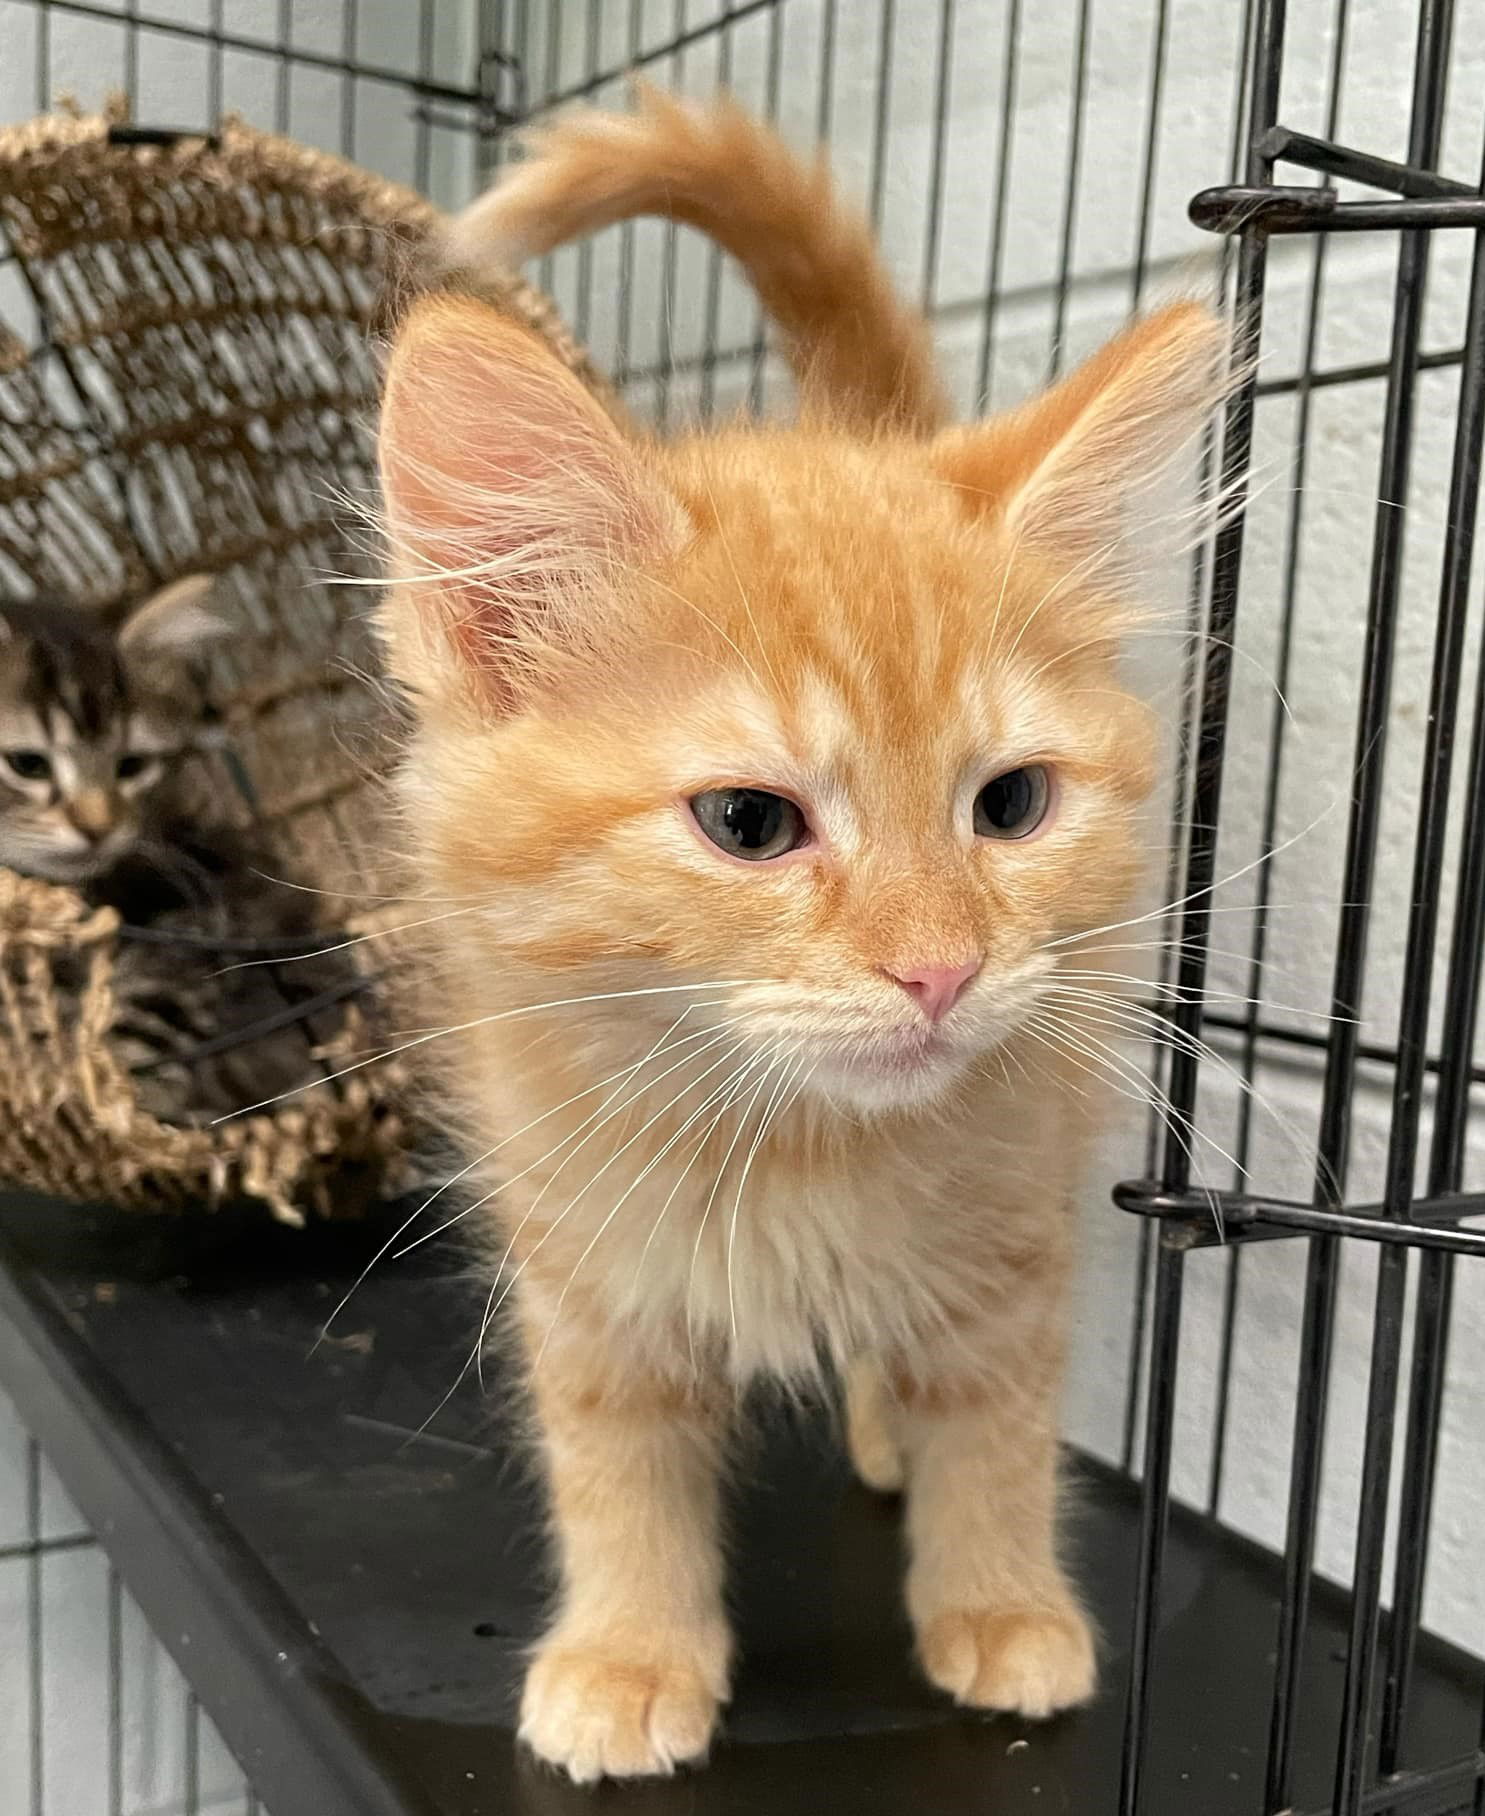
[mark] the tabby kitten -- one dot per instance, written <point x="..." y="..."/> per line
<point x="93" y="724"/>
<point x="96" y="723"/>
<point x="794" y="775"/>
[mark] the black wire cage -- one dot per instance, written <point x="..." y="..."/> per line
<point x="1425" y="1202"/>
<point x="1294" y="1352"/>
<point x="896" y="114"/>
<point x="1419" y="1220"/>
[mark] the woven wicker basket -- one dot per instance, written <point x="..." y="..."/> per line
<point x="187" y="383"/>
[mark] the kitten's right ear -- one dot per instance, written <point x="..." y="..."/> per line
<point x="1067" y="472"/>
<point x="511" y="502"/>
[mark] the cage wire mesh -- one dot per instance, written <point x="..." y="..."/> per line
<point x="1029" y="170"/>
<point x="1312" y="1378"/>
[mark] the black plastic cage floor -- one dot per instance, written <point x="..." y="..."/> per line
<point x="351" y="1600"/>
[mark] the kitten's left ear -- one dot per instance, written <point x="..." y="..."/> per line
<point x="175" y="619"/>
<point x="1066" y="471"/>
<point x="513" y="504"/>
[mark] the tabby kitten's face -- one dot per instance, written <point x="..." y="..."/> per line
<point x="92" y="722"/>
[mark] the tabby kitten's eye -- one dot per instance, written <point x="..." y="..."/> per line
<point x="1015" y="804"/>
<point x="749" y="823"/>
<point x="29" y="765"/>
<point x="132" y="765"/>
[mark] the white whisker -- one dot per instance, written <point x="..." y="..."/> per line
<point x="494" y="1305"/>
<point x="628" y="1192"/>
<point x="1170" y="907"/>
<point x="767" y="1057"/>
<point x="479" y="1021"/>
<point x="712" y="1037"/>
<point x="355" y="939"/>
<point x="496" y="1298"/>
<point x="706" y="1134"/>
<point x="764" y="1124"/>
<point x="1056" y="1037"/>
<point x="1162" y="1032"/>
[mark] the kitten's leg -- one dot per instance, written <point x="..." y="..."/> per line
<point x="872" y="1436"/>
<point x="998" y="1623"/>
<point x="630" y="1677"/>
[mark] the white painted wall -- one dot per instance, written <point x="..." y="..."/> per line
<point x="1192" y="150"/>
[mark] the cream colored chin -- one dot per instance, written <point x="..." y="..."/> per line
<point x="877" y="1083"/>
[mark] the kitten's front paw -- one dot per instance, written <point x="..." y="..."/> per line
<point x="608" y="1712"/>
<point x="1027" y="1662"/>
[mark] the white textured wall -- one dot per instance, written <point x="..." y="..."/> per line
<point x="1192" y="150"/>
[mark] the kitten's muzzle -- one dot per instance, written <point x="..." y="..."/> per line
<point x="92" y="814"/>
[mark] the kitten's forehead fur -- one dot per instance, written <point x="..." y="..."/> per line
<point x="61" y="668"/>
<point x="852" y="636"/>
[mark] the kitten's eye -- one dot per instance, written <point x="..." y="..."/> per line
<point x="749" y="823"/>
<point x="133" y="764"/>
<point x="29" y="765"/>
<point x="1014" y="804"/>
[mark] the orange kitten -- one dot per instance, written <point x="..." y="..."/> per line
<point x="788" y="766"/>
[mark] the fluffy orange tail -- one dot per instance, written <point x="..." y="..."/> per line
<point x="858" y="351"/>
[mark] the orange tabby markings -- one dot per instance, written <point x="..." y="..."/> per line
<point x="865" y="1136"/>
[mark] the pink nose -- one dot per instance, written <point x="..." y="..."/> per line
<point x="936" y="988"/>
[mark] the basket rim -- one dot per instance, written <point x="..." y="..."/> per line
<point x="40" y="150"/>
<point x="235" y="145"/>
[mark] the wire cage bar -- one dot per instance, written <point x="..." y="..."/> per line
<point x="978" y="170"/>
<point x="1253" y="211"/>
<point x="1430" y="1081"/>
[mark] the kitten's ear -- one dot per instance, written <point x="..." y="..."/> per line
<point x="511" y="498"/>
<point x="1066" y="472"/>
<point x="177" y="618"/>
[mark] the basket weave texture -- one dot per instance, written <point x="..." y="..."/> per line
<point x="188" y="382"/>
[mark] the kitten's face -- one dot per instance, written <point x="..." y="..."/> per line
<point x="831" y="732"/>
<point x="857" y="783"/>
<point x="91" y="725"/>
